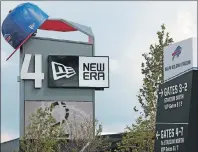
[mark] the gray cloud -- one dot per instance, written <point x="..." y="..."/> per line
<point x="123" y="31"/>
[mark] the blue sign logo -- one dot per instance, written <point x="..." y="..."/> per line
<point x="177" y="52"/>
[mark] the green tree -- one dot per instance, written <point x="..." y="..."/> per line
<point x="140" y="136"/>
<point x="41" y="135"/>
<point x="84" y="139"/>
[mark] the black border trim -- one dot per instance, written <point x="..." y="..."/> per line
<point x="78" y="87"/>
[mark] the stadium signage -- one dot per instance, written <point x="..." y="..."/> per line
<point x="69" y="71"/>
<point x="179" y="58"/>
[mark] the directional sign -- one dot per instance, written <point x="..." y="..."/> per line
<point x="171" y="138"/>
<point x="174" y="100"/>
<point x="176" y="120"/>
<point x="161" y="92"/>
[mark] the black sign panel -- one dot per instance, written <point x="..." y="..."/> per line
<point x="78" y="71"/>
<point x="171" y="138"/>
<point x="63" y="71"/>
<point x="174" y="100"/>
<point x="173" y="114"/>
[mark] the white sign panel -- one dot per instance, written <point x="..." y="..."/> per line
<point x="69" y="71"/>
<point x="94" y="72"/>
<point x="180" y="57"/>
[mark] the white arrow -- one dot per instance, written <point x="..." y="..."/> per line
<point x="157" y="135"/>
<point x="82" y="150"/>
<point x="161" y="92"/>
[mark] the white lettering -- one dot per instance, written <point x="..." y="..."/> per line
<point x="37" y="76"/>
<point x="171" y="90"/>
<point x="167" y="133"/>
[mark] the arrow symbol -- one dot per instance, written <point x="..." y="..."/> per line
<point x="161" y="92"/>
<point x="157" y="135"/>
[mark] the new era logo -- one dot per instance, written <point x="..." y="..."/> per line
<point x="31" y="26"/>
<point x="60" y="71"/>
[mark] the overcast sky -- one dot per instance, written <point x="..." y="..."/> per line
<point x="123" y="31"/>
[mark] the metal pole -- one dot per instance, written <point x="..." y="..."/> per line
<point x="82" y="150"/>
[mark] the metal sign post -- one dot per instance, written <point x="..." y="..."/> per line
<point x="63" y="73"/>
<point x="59" y="73"/>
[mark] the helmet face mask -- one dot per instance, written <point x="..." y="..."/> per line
<point x="66" y="115"/>
<point x="60" y="112"/>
